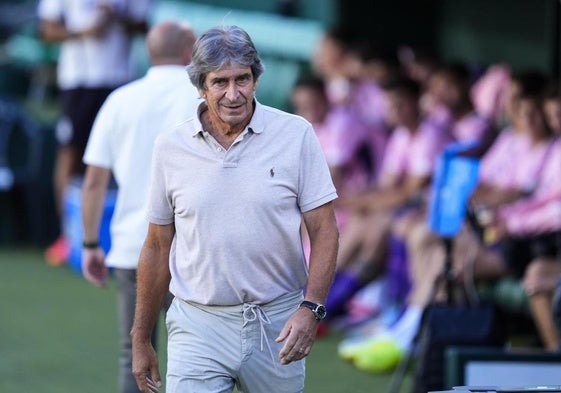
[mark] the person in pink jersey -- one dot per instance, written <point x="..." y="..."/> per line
<point x="379" y="66"/>
<point x="449" y="93"/>
<point x="450" y="88"/>
<point x="514" y="211"/>
<point x="406" y="171"/>
<point x="500" y="180"/>
<point x="343" y="138"/>
<point x="425" y="250"/>
<point x="528" y="136"/>
<point x="529" y="232"/>
<point x="346" y="67"/>
<point x="513" y="135"/>
<point x="531" y="229"/>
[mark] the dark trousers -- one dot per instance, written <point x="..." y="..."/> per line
<point x="126" y="301"/>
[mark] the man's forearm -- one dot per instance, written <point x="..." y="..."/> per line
<point x="93" y="201"/>
<point x="153" y="279"/>
<point x="324" y="242"/>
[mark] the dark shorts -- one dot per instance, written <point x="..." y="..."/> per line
<point x="518" y="252"/>
<point x="79" y="109"/>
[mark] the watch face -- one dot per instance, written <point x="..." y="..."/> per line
<point x="318" y="309"/>
<point x="321" y="312"/>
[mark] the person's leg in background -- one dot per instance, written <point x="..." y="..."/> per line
<point x="126" y="301"/>
<point x="79" y="109"/>
<point x="426" y="257"/>
<point x="346" y="282"/>
<point x="57" y="253"/>
<point x="361" y="258"/>
<point x="539" y="283"/>
<point x="556" y="305"/>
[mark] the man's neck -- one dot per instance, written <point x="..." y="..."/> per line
<point x="225" y="136"/>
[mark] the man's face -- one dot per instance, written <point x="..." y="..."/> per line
<point x="229" y="96"/>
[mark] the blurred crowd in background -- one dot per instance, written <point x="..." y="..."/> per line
<point x="383" y="117"/>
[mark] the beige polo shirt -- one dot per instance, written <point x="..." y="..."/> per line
<point x="237" y="212"/>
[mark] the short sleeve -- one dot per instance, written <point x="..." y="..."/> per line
<point x="160" y="208"/>
<point x="315" y="186"/>
<point x="98" y="150"/>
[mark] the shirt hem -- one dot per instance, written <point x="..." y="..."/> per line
<point x="318" y="202"/>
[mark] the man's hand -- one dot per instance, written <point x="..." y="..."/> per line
<point x="299" y="333"/>
<point x="93" y="266"/>
<point x="145" y="367"/>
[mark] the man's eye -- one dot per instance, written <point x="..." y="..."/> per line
<point x="244" y="80"/>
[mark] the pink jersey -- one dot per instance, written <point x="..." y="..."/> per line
<point x="369" y="100"/>
<point x="440" y="116"/>
<point x="344" y="140"/>
<point x="527" y="166"/>
<point x="540" y="212"/>
<point x="413" y="155"/>
<point x="469" y="128"/>
<point x="497" y="164"/>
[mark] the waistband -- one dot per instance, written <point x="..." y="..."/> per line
<point x="251" y="312"/>
<point x="281" y="303"/>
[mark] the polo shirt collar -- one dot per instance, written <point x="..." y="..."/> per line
<point x="256" y="124"/>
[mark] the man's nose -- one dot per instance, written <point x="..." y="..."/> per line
<point x="232" y="91"/>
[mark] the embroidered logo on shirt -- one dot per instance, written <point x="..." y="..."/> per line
<point x="272" y="172"/>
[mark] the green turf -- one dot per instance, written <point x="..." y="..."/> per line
<point x="58" y="334"/>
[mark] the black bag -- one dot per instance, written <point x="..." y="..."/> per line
<point x="444" y="325"/>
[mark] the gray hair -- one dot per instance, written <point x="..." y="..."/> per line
<point x="221" y="46"/>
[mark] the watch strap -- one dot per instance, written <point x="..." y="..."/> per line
<point x="314" y="307"/>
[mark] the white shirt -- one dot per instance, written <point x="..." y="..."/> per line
<point x="238" y="211"/>
<point x="122" y="139"/>
<point x="93" y="62"/>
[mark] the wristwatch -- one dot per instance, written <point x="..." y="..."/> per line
<point x="318" y="309"/>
